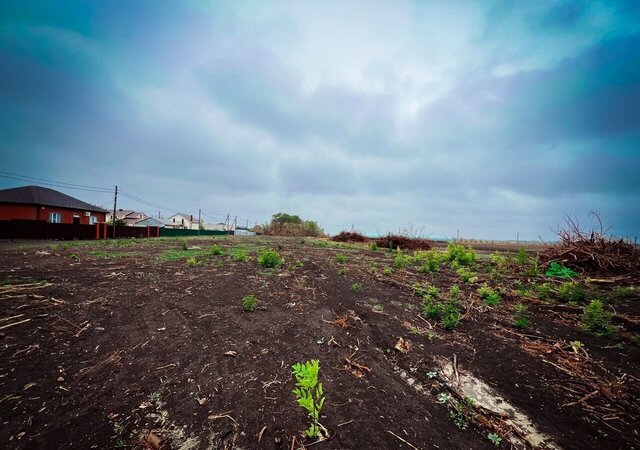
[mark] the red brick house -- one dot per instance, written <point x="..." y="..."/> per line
<point x="39" y="203"/>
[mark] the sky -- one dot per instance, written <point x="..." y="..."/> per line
<point x="490" y="119"/>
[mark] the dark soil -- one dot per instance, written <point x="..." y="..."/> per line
<point x="125" y="349"/>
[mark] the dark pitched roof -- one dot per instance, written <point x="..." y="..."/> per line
<point x="36" y="195"/>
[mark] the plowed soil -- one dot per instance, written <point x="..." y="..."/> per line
<point x="127" y="348"/>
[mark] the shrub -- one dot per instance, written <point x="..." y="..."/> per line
<point x="522" y="257"/>
<point x="544" y="291"/>
<point x="216" y="250"/>
<point x="534" y="268"/>
<point x="572" y="292"/>
<point x="451" y="316"/>
<point x="498" y="259"/>
<point x="454" y="292"/>
<point x="185" y="244"/>
<point x="341" y="259"/>
<point x="460" y="254"/>
<point x="488" y="295"/>
<point x="270" y="258"/>
<point x="240" y="254"/>
<point x="400" y="260"/>
<point x="431" y="308"/>
<point x="597" y="320"/>
<point x="191" y="262"/>
<point x="466" y="275"/>
<point x="387" y="270"/>
<point x="373" y="246"/>
<point x="249" y="303"/>
<point x="521" y="317"/>
<point x="309" y="393"/>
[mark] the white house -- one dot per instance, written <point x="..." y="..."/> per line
<point x="181" y="220"/>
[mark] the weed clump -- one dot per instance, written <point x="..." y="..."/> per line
<point x="597" y="320"/>
<point x="356" y="287"/>
<point x="466" y="275"/>
<point x="270" y="258"/>
<point x="341" y="259"/>
<point x="249" y="303"/>
<point x="521" y="317"/>
<point x="216" y="250"/>
<point x="460" y="254"/>
<point x="572" y="292"/>
<point x="488" y="295"/>
<point x="240" y="254"/>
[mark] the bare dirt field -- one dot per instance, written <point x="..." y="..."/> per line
<point x="146" y="345"/>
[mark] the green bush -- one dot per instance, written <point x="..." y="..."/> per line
<point x="216" y="250"/>
<point x="373" y="246"/>
<point x="356" y="287"/>
<point x="400" y="259"/>
<point x="451" y="316"/>
<point x="431" y="308"/>
<point x="572" y="292"/>
<point x="191" y="262"/>
<point x="522" y="257"/>
<point x="544" y="291"/>
<point x="597" y="320"/>
<point x="387" y="270"/>
<point x="488" y="295"/>
<point x="454" y="292"/>
<point x="466" y="275"/>
<point x="341" y="259"/>
<point x="249" y="303"/>
<point x="460" y="254"/>
<point x="521" y="317"/>
<point x="270" y="258"/>
<point x="240" y="254"/>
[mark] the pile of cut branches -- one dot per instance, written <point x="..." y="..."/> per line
<point x="394" y="241"/>
<point x="349" y="236"/>
<point x="593" y="252"/>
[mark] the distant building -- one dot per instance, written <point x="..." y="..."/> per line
<point x="185" y="221"/>
<point x="149" y="222"/>
<point x="40" y="203"/>
<point x="128" y="216"/>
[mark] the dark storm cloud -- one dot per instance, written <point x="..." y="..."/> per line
<point x="491" y="118"/>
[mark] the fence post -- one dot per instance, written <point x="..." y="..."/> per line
<point x="97" y="231"/>
<point x="148" y="232"/>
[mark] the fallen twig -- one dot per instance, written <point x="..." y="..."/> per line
<point x="14" y="323"/>
<point x="406" y="442"/>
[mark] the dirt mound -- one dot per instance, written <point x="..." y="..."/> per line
<point x="349" y="236"/>
<point x="593" y="253"/>
<point x="394" y="241"/>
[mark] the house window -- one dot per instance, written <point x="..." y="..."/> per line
<point x="93" y="220"/>
<point x="55" y="217"/>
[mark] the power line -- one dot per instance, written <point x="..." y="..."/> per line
<point x="30" y="180"/>
<point x="54" y="182"/>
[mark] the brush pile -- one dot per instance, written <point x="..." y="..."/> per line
<point x="393" y="241"/>
<point x="349" y="236"/>
<point x="593" y="253"/>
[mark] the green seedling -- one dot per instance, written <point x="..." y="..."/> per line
<point x="270" y="258"/>
<point x="249" y="303"/>
<point x="495" y="439"/>
<point x="341" y="259"/>
<point x="309" y="393"/>
<point x="216" y="250"/>
<point x="74" y="257"/>
<point x="488" y="295"/>
<point x="356" y="287"/>
<point x="521" y="317"/>
<point x="572" y="292"/>
<point x="373" y="246"/>
<point x="597" y="320"/>
<point x="387" y="271"/>
<point x="461" y="255"/>
<point x="191" y="262"/>
<point x="240" y="254"/>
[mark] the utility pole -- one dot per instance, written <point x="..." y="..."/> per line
<point x="226" y="224"/>
<point x="235" y="222"/>
<point x="115" y="202"/>
<point x="518" y="238"/>
<point x="199" y="223"/>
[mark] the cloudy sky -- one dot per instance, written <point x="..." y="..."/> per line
<point x="490" y="118"/>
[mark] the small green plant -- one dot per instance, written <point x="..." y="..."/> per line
<point x="249" y="303"/>
<point x="458" y="253"/>
<point x="459" y="411"/>
<point x="341" y="259"/>
<point x="498" y="259"/>
<point x="572" y="292"/>
<point x="356" y="287"/>
<point x="495" y="439"/>
<point x="454" y="292"/>
<point x="521" y="317"/>
<point x="488" y="295"/>
<point x="341" y="271"/>
<point x="185" y="245"/>
<point x="431" y="308"/>
<point x="451" y="316"/>
<point x="577" y="346"/>
<point x="373" y="246"/>
<point x="240" y="254"/>
<point x="544" y="291"/>
<point x="191" y="262"/>
<point x="215" y="250"/>
<point x="74" y="257"/>
<point x="559" y="271"/>
<point x="597" y="320"/>
<point x="400" y="259"/>
<point x="522" y="257"/>
<point x="624" y="292"/>
<point x="432" y="374"/>
<point x="466" y="275"/>
<point x="270" y="258"/>
<point x="387" y="271"/>
<point x="309" y="393"/>
<point x="533" y="270"/>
